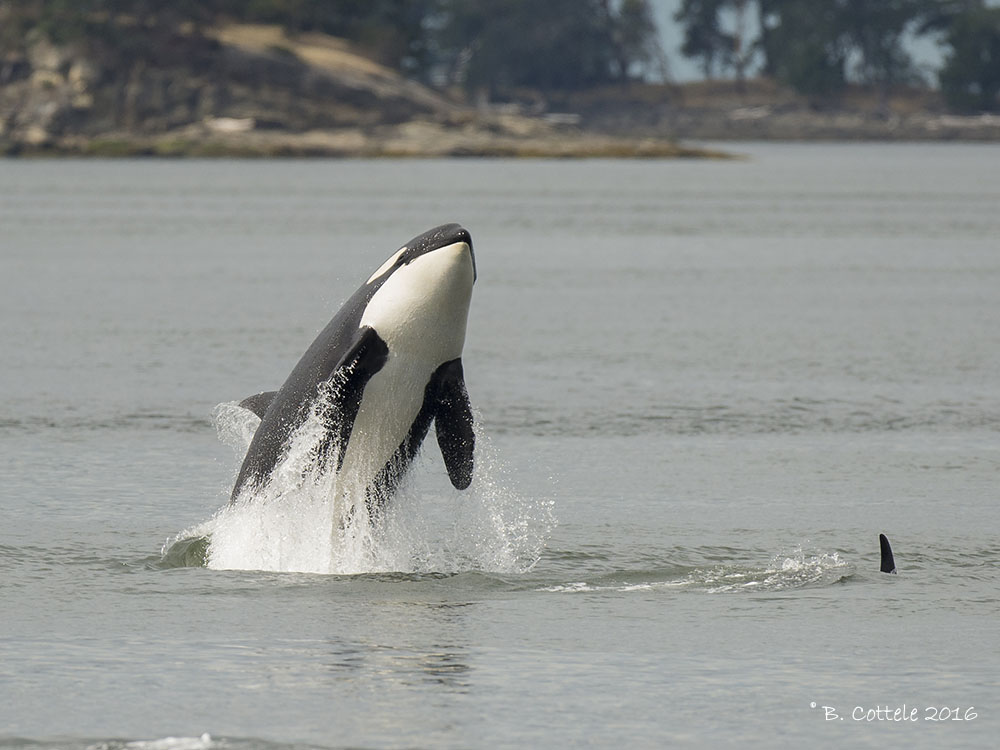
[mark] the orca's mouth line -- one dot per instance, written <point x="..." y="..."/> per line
<point x="438" y="239"/>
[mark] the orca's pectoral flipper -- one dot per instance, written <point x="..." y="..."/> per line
<point x="453" y="423"/>
<point x="888" y="563"/>
<point x="366" y="355"/>
<point x="259" y="403"/>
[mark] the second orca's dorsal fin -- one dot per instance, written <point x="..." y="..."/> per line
<point x="259" y="402"/>
<point x="888" y="563"/>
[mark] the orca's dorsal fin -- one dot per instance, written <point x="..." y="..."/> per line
<point x="888" y="563"/>
<point x="453" y="424"/>
<point x="259" y="402"/>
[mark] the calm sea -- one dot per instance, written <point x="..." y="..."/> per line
<point x="702" y="390"/>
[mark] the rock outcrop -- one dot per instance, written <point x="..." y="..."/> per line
<point x="51" y="92"/>
<point x="253" y="90"/>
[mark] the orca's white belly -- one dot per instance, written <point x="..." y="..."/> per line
<point x="390" y="404"/>
<point x="422" y="331"/>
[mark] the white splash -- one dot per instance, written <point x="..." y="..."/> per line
<point x="204" y="742"/>
<point x="314" y="521"/>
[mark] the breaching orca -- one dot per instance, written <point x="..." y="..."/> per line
<point x="387" y="365"/>
<point x="888" y="563"/>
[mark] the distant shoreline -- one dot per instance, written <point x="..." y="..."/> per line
<point x="257" y="92"/>
<point x="761" y="110"/>
<point x="675" y="136"/>
<point x="429" y="140"/>
<point x="411" y="140"/>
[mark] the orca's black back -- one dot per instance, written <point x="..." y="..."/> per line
<point x="286" y="412"/>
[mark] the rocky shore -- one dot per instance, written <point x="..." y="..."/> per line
<point x="762" y="110"/>
<point x="255" y="91"/>
<point x="417" y="139"/>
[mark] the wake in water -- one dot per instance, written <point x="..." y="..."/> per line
<point x="785" y="571"/>
<point x="792" y="570"/>
<point x="312" y="520"/>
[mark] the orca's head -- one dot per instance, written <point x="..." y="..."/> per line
<point x="419" y="298"/>
<point x="444" y="237"/>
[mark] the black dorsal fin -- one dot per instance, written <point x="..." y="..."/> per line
<point x="888" y="563"/>
<point x="259" y="402"/>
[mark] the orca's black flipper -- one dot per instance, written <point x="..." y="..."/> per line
<point x="446" y="403"/>
<point x="366" y="356"/>
<point x="888" y="563"/>
<point x="453" y="424"/>
<point x="259" y="402"/>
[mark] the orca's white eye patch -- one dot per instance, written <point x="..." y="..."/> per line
<point x="384" y="268"/>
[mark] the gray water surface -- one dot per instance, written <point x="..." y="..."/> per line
<point x="703" y="389"/>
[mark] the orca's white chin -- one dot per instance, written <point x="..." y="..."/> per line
<point x="423" y="306"/>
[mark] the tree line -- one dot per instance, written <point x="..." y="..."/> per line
<point x="493" y="47"/>
<point x="818" y="46"/>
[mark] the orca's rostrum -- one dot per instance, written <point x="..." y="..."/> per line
<point x="387" y="365"/>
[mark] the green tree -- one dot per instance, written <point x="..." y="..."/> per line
<point x="393" y="31"/>
<point x="704" y="39"/>
<point x="816" y="46"/>
<point x="707" y="38"/>
<point x="744" y="49"/>
<point x="497" y="45"/>
<point x="70" y="20"/>
<point x="804" y="45"/>
<point x="970" y="78"/>
<point x="637" y="50"/>
<point x="875" y="31"/>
